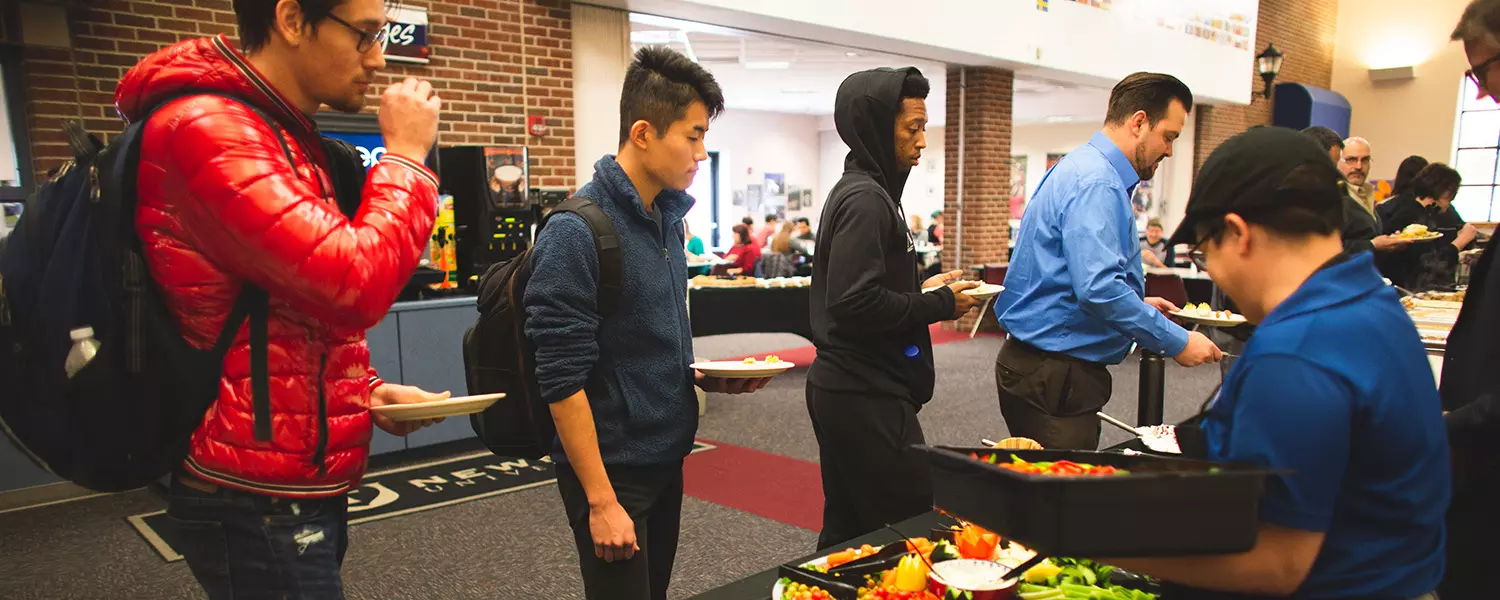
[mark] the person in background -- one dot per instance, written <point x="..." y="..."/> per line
<point x="747" y="221"/>
<point x="935" y="230"/>
<point x="618" y="384"/>
<point x="869" y="316"/>
<point x="264" y="513"/>
<point x="1074" y="294"/>
<point x="1419" y="266"/>
<point x="803" y="239"/>
<point x="763" y="235"/>
<point x="744" y="253"/>
<point x="1361" y="228"/>
<point x="1155" y="249"/>
<point x="1401" y="186"/>
<point x="918" y="232"/>
<point x="780" y="261"/>
<point x="1471" y="383"/>
<point x="1355" y="165"/>
<point x="694" y="248"/>
<point x="1333" y="392"/>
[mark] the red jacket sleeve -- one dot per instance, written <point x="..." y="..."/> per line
<point x="250" y="213"/>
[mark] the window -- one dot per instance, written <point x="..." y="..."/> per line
<point x="1477" y="156"/>
<point x="15" y="149"/>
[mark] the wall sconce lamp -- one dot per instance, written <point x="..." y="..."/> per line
<point x="1268" y="62"/>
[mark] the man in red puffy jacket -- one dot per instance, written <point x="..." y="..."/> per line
<point x="220" y="206"/>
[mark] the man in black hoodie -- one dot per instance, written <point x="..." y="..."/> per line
<point x="870" y="317"/>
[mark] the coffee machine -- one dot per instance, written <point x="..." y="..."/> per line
<point x="493" y="212"/>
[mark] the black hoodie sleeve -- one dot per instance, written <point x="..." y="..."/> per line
<point x="858" y="234"/>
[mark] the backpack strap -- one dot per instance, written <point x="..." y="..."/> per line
<point x="606" y="243"/>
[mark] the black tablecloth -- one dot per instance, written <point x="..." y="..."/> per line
<point x="715" y="311"/>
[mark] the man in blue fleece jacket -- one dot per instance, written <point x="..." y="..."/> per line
<point x="619" y="385"/>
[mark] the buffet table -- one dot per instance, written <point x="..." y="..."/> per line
<point x="750" y="309"/>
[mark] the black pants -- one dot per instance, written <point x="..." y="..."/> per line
<point x="243" y="545"/>
<point x="652" y="496"/>
<point x="1473" y="534"/>
<point x="872" y="476"/>
<point x="1049" y="397"/>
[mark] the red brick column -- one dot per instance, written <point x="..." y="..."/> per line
<point x="986" y="126"/>
<point x="493" y="61"/>
<point x="1303" y="30"/>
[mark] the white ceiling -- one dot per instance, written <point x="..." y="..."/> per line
<point x="775" y="74"/>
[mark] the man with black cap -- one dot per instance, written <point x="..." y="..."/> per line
<point x="870" y="317"/>
<point x="1333" y="390"/>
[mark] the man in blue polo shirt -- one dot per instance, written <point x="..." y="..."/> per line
<point x="1334" y="388"/>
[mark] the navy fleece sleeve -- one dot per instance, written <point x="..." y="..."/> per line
<point x="562" y="312"/>
<point x="856" y="272"/>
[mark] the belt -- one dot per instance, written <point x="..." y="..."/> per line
<point x="1030" y="349"/>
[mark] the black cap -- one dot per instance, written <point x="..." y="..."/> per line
<point x="1262" y="168"/>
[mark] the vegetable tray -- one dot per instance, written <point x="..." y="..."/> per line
<point x="1161" y="507"/>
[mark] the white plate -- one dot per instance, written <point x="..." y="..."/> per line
<point x="987" y="290"/>
<point x="1431" y="235"/>
<point x="1211" y="321"/>
<point x="734" y="369"/>
<point x="451" y="407"/>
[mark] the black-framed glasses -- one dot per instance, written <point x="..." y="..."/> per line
<point x="367" y="39"/>
<point x="1474" y="73"/>
<point x="1199" y="259"/>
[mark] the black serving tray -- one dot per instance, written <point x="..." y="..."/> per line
<point x="1164" y="507"/>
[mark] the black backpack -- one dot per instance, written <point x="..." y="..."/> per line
<point x="499" y="358"/>
<point x="75" y="260"/>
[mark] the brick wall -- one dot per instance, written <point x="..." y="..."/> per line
<point x="1303" y="30"/>
<point x="493" y="62"/>
<point x="987" y="132"/>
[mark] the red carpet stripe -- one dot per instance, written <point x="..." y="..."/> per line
<point x="776" y="487"/>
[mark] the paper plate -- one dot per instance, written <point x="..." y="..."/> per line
<point x="1210" y="321"/>
<point x="987" y="290"/>
<point x="451" y="407"/>
<point x="733" y="369"/>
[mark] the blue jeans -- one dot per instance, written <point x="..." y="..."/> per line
<point x="241" y="545"/>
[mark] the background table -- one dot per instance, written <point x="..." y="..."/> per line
<point x="715" y="311"/>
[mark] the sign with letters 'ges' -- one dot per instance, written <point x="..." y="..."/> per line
<point x="406" y="35"/>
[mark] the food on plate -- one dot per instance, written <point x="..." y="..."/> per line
<point x="975" y="542"/>
<point x="911" y="574"/>
<point x="1071" y="578"/>
<point x="1415" y="230"/>
<point x="1204" y="311"/>
<point x="1018" y="443"/>
<point x="750" y="360"/>
<point x="791" y="590"/>
<point x="1065" y="468"/>
<point x="1457" y="296"/>
<point x="942" y="551"/>
<point x="773" y="359"/>
<point x="840" y="558"/>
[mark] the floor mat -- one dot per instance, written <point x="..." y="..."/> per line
<point x="786" y="490"/>
<point x="406" y="490"/>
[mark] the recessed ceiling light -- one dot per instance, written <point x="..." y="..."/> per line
<point x="768" y="65"/>
<point x="852" y="54"/>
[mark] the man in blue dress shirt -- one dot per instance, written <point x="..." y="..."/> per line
<point x="1074" y="295"/>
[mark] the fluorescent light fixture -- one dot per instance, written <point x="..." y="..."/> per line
<point x="1406" y="73"/>
<point x="767" y="65"/>
<point x="1060" y="119"/>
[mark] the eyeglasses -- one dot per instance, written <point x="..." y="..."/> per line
<point x="1476" y="74"/>
<point x="1357" y="160"/>
<point x="367" y="39"/>
<point x="1199" y="259"/>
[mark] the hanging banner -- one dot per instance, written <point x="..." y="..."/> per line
<point x="406" y="35"/>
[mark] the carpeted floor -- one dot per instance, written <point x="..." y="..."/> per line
<point x="518" y="545"/>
